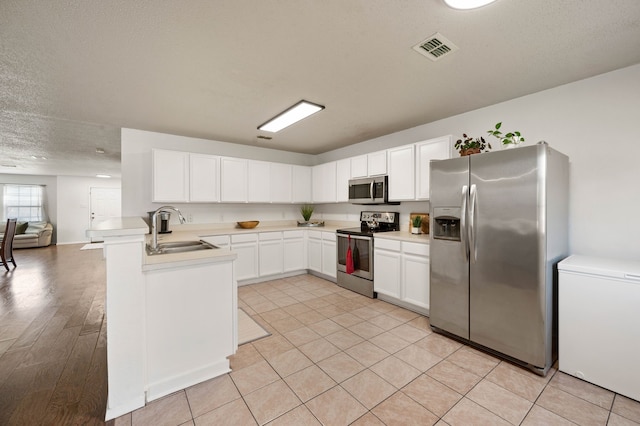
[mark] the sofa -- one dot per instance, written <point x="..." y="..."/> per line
<point x="32" y="234"/>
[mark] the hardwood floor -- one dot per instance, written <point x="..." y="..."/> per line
<point x="52" y="338"/>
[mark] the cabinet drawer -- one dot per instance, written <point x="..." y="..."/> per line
<point x="244" y="238"/>
<point x="415" y="248"/>
<point x="293" y="234"/>
<point x="315" y="234"/>
<point x="270" y="236"/>
<point x="387" y="244"/>
<point x="328" y="236"/>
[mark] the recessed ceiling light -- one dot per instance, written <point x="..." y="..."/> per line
<point x="467" y="4"/>
<point x="99" y="150"/>
<point x="301" y="110"/>
<point x="103" y="176"/>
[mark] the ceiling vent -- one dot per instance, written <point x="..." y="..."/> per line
<point x="435" y="47"/>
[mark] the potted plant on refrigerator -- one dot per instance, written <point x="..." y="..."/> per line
<point x="469" y="145"/>
<point x="509" y="140"/>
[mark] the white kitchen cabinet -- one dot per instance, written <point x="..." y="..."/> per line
<point x="401" y="173"/>
<point x="359" y="166"/>
<point x="270" y="253"/>
<point x="432" y="149"/>
<point x="170" y="176"/>
<point x="323" y="178"/>
<point x="233" y="180"/>
<point x="294" y="251"/>
<point x="415" y="274"/>
<point x="301" y="184"/>
<point x="377" y="163"/>
<point x="314" y="249"/>
<point x="258" y="181"/>
<point x="281" y="183"/>
<point x="387" y="261"/>
<point x="329" y="258"/>
<point x="246" y="247"/>
<point x="343" y="174"/>
<point x="204" y="178"/>
<point x="402" y="272"/>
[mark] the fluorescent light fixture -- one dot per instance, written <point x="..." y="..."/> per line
<point x="467" y="4"/>
<point x="301" y="110"/>
<point x="103" y="176"/>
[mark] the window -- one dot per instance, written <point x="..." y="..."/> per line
<point x="24" y="202"/>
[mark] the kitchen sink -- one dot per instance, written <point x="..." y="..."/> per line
<point x="180" y="247"/>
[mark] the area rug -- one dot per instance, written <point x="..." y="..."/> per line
<point x="92" y="246"/>
<point x="248" y="329"/>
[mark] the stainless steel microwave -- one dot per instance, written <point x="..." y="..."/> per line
<point x="371" y="190"/>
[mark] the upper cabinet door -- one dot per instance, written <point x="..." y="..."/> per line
<point x="204" y="178"/>
<point x="359" y="167"/>
<point x="281" y="185"/>
<point x="323" y="177"/>
<point x="170" y="176"/>
<point x="401" y="173"/>
<point x="432" y="149"/>
<point x="343" y="174"/>
<point x="258" y="181"/>
<point x="377" y="163"/>
<point x="233" y="180"/>
<point x="301" y="184"/>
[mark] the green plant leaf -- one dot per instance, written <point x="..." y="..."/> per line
<point x="498" y="125"/>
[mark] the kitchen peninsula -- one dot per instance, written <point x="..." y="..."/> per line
<point x="172" y="318"/>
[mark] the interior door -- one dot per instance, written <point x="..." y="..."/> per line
<point x="507" y="311"/>
<point x="105" y="204"/>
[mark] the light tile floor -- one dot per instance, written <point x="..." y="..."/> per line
<point x="338" y="358"/>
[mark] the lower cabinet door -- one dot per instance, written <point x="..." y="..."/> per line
<point x="294" y="254"/>
<point x="315" y="254"/>
<point x="387" y="272"/>
<point x="271" y="259"/>
<point x="246" y="264"/>
<point x="416" y="280"/>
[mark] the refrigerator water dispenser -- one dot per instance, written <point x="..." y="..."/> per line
<point x="446" y="223"/>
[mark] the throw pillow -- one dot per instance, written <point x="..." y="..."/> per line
<point x="21" y="227"/>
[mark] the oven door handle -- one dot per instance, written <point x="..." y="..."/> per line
<point x="353" y="236"/>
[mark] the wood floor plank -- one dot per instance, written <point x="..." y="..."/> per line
<point x="93" y="320"/>
<point x="93" y="403"/>
<point x="63" y="405"/>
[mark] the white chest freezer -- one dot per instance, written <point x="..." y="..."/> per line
<point x="599" y="322"/>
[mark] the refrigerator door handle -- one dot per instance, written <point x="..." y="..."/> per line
<point x="463" y="222"/>
<point x="473" y="199"/>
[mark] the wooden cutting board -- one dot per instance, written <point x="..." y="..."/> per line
<point x="425" y="222"/>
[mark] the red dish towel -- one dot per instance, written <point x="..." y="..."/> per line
<point x="349" y="257"/>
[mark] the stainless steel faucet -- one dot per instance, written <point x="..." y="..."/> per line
<point x="154" y="225"/>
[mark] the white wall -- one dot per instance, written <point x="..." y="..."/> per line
<point x="595" y="122"/>
<point x="74" y="202"/>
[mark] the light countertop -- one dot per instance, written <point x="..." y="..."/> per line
<point x="403" y="236"/>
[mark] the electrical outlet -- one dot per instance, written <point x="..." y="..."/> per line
<point x="190" y="218"/>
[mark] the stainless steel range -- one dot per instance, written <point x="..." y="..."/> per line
<point x="355" y="250"/>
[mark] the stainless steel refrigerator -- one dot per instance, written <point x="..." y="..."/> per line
<point x="499" y="227"/>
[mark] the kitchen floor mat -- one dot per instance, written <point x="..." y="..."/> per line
<point x="248" y="329"/>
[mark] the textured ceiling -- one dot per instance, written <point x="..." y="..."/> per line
<point x="73" y="72"/>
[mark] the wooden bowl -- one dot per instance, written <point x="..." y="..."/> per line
<point x="250" y="224"/>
